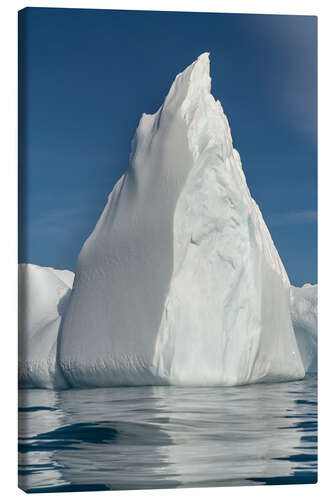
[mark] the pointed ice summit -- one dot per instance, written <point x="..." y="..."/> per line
<point x="180" y="282"/>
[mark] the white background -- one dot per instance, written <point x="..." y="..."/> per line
<point x="8" y="245"/>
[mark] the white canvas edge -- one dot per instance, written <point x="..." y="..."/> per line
<point x="8" y="200"/>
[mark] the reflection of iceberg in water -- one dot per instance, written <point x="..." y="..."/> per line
<point x="126" y="448"/>
<point x="111" y="442"/>
<point x="155" y="437"/>
<point x="237" y="435"/>
<point x="39" y="413"/>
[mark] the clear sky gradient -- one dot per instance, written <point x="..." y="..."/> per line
<point x="86" y="76"/>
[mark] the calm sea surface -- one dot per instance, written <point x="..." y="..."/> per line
<point x="165" y="437"/>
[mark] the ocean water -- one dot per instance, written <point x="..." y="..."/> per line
<point x="166" y="437"/>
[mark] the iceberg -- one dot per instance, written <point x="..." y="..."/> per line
<point x="304" y="316"/>
<point x="43" y="296"/>
<point x="180" y="282"/>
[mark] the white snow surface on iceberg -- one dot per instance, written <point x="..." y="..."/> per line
<point x="43" y="295"/>
<point x="180" y="282"/>
<point x="304" y="316"/>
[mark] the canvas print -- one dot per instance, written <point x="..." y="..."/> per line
<point x="167" y="259"/>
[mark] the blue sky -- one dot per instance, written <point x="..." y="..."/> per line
<point x="88" y="75"/>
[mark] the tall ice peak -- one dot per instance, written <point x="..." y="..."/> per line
<point x="180" y="282"/>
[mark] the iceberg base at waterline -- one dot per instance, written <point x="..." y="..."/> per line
<point x="46" y="292"/>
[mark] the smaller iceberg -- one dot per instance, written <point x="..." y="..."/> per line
<point x="43" y="297"/>
<point x="303" y="302"/>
